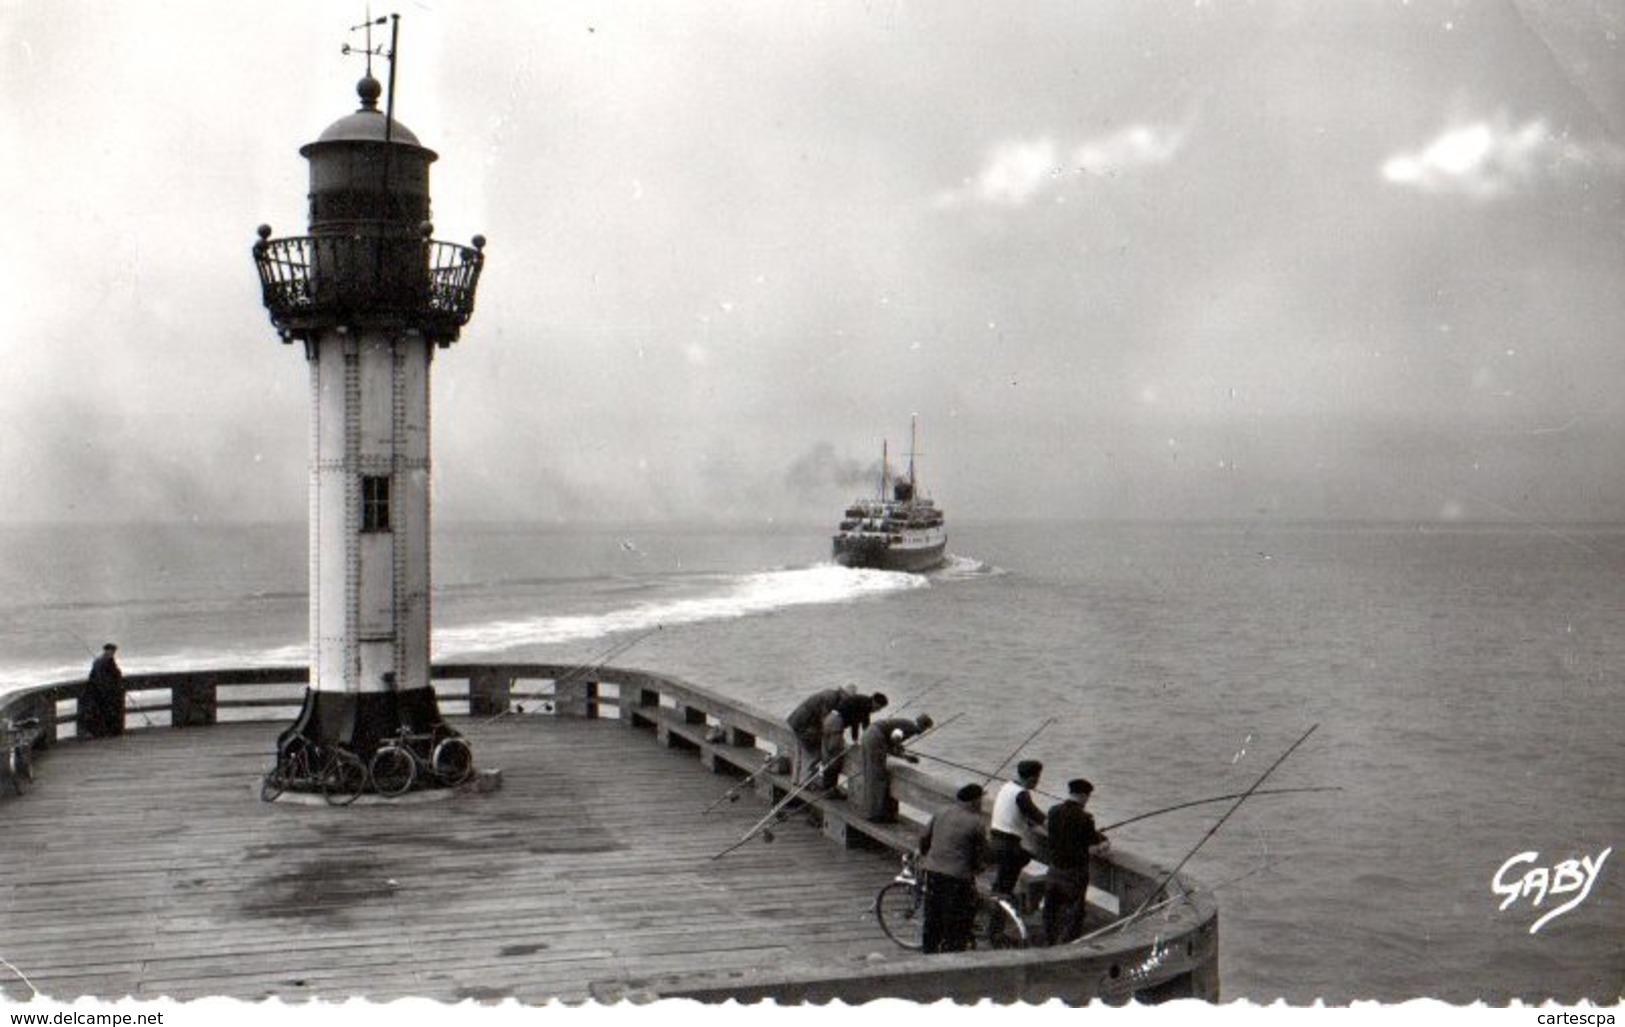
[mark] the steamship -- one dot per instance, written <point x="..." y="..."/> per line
<point x="904" y="532"/>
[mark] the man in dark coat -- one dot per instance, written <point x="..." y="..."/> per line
<point x="851" y="715"/>
<point x="881" y="740"/>
<point x="953" y="850"/>
<point x="102" y="711"/>
<point x="807" y="724"/>
<point x="1072" y="837"/>
<point x="855" y="710"/>
<point x="818" y="735"/>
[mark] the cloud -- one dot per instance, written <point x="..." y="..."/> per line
<point x="1017" y="172"/>
<point x="1487" y="160"/>
<point x="1132" y="147"/>
<point x="1014" y="173"/>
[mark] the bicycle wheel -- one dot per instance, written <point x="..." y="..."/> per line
<point x="998" y="925"/>
<point x="453" y="761"/>
<point x="344" y="779"/>
<point x="393" y="770"/>
<point x="900" y="908"/>
<point x="275" y="780"/>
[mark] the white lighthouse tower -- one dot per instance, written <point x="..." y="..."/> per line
<point x="371" y="297"/>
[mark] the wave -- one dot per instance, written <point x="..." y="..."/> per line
<point x="957" y="567"/>
<point x="16" y="676"/>
<point x="739" y="595"/>
<point x="84" y="607"/>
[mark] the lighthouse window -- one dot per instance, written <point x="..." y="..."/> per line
<point x="375" y="502"/>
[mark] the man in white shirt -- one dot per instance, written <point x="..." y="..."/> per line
<point x="1014" y="817"/>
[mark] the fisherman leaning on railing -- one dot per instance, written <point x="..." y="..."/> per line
<point x="819" y="724"/>
<point x="880" y="742"/>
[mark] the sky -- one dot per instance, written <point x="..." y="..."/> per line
<point x="1121" y="258"/>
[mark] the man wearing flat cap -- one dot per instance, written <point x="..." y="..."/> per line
<point x="954" y="847"/>
<point x="101" y="712"/>
<point x="1072" y="837"/>
<point x="1015" y="816"/>
<point x="882" y="741"/>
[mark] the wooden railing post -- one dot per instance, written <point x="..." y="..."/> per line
<point x="45" y="710"/>
<point x="192" y="704"/>
<point x="490" y="691"/>
<point x="577" y="698"/>
<point x="635" y="700"/>
<point x="685" y="714"/>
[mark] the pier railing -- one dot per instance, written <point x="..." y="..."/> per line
<point x="1170" y="956"/>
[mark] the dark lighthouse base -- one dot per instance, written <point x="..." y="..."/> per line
<point x="382" y="728"/>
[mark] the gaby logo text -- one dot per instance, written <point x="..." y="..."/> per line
<point x="1570" y="876"/>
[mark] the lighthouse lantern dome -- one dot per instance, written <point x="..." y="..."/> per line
<point x="367" y="168"/>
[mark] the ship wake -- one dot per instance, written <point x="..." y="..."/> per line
<point x="713" y="598"/>
<point x="667" y="602"/>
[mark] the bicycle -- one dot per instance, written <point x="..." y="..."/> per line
<point x="900" y="909"/>
<point x="17" y="738"/>
<point x="334" y="771"/>
<point x="405" y="757"/>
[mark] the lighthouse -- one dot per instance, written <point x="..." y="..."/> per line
<point x="369" y="297"/>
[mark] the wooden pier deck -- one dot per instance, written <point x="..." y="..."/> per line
<point x="147" y="866"/>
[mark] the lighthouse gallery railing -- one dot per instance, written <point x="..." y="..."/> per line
<point x="304" y="279"/>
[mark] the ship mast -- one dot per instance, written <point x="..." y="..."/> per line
<point x="913" y="428"/>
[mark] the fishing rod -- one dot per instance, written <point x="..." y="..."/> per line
<point x="1217" y="798"/>
<point x="980" y="772"/>
<point x="1141" y="914"/>
<point x="894" y="711"/>
<point x="732" y="794"/>
<point x="906" y="753"/>
<point x="903" y="745"/>
<point x="579" y="671"/>
<point x="95" y="653"/>
<point x="777" y="813"/>
<point x="917" y="739"/>
<point x="1142" y="816"/>
<point x="928" y="689"/>
<point x="1212" y="830"/>
<point x="1017" y="751"/>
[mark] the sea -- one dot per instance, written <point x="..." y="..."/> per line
<point x="1428" y="717"/>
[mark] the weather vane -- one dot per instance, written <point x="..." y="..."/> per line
<point x="372" y="51"/>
